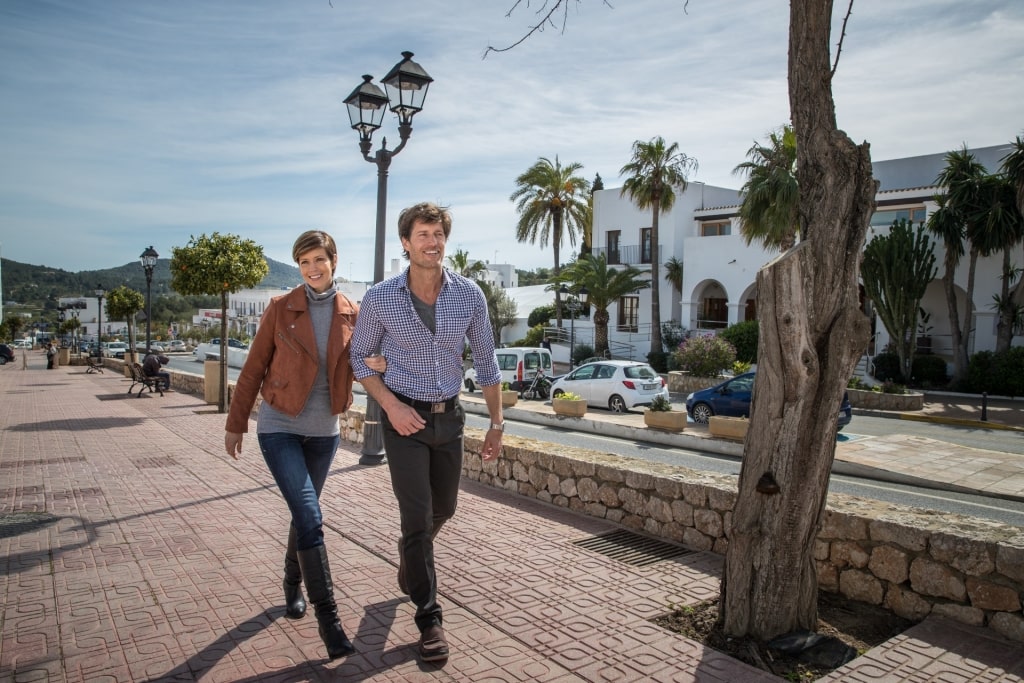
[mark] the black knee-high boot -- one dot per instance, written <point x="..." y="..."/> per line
<point x="295" y="604"/>
<point x="316" y="572"/>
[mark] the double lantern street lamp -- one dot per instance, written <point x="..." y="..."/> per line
<point x="148" y="259"/>
<point x="406" y="86"/>
<point x="575" y="306"/>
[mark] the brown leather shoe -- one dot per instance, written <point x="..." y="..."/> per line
<point x="433" y="646"/>
<point x="402" y="585"/>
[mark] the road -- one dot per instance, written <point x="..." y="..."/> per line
<point x="1008" y="512"/>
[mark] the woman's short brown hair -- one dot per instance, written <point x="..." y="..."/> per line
<point x="313" y="239"/>
<point x="424" y="212"/>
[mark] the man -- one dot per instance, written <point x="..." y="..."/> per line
<point x="419" y="321"/>
<point x="151" y="367"/>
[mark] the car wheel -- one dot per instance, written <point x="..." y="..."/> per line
<point x="701" y="412"/>
<point x="617" y="404"/>
<point x="3" y="360"/>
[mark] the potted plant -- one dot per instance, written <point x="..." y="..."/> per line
<point x="660" y="415"/>
<point x="508" y="397"/>
<point x="728" y="427"/>
<point x="569" y="404"/>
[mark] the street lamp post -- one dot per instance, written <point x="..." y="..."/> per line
<point x="575" y="306"/>
<point x="406" y="86"/>
<point x="99" y="320"/>
<point x="148" y="259"/>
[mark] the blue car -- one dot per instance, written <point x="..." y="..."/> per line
<point x="732" y="398"/>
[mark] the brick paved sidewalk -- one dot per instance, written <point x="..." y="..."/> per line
<point x="134" y="549"/>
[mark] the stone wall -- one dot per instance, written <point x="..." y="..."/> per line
<point x="912" y="562"/>
<point x="684" y="383"/>
<point x="876" y="400"/>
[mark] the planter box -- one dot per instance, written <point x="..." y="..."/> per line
<point x="671" y="420"/>
<point x="569" y="407"/>
<point x="875" y="400"/>
<point x="728" y="427"/>
<point x="509" y="398"/>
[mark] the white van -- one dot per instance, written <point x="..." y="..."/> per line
<point x="518" y="366"/>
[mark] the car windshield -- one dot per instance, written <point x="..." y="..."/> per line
<point x="640" y="372"/>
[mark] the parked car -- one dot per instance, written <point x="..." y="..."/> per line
<point x="155" y="347"/>
<point x="619" y="385"/>
<point x="232" y="343"/>
<point x="176" y="346"/>
<point x="732" y="398"/>
<point x="22" y="343"/>
<point x="6" y="354"/>
<point x="114" y="349"/>
<point x="518" y="365"/>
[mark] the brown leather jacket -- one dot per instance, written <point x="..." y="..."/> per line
<point x="283" y="360"/>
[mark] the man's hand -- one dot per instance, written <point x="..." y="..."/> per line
<point x="404" y="418"/>
<point x="492" y="444"/>
<point x="233" y="444"/>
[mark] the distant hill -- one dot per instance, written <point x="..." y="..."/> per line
<point x="34" y="285"/>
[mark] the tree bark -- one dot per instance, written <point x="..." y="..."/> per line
<point x="811" y="333"/>
<point x="656" y="346"/>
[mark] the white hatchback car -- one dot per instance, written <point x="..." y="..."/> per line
<point x="618" y="385"/>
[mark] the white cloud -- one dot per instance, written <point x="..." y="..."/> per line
<point x="125" y="123"/>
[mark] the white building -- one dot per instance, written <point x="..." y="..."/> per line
<point x="719" y="269"/>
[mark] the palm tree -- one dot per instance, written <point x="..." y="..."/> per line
<point x="1013" y="168"/>
<point x="999" y="227"/>
<point x="771" y="194"/>
<point x="605" y="286"/>
<point x="461" y="264"/>
<point x="655" y="173"/>
<point x="552" y="205"/>
<point x="674" y="273"/>
<point x="959" y="209"/>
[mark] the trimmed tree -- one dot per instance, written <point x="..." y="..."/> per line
<point x="896" y="270"/>
<point x="124" y="303"/>
<point x="218" y="265"/>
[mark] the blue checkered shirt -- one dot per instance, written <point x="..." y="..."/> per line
<point x="422" y="365"/>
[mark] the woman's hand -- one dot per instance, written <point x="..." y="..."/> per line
<point x="377" y="363"/>
<point x="233" y="444"/>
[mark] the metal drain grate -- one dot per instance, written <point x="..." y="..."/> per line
<point x="630" y="548"/>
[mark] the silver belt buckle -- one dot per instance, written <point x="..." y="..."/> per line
<point x="437" y="407"/>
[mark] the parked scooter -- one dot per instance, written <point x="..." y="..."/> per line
<point x="539" y="389"/>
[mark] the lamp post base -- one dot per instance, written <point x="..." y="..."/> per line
<point x="372" y="452"/>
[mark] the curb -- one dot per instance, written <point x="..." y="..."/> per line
<point x="938" y="419"/>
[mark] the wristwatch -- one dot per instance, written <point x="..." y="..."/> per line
<point x="500" y="426"/>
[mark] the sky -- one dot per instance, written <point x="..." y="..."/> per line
<point x="130" y="123"/>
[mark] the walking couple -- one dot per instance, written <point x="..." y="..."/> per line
<point x="405" y="346"/>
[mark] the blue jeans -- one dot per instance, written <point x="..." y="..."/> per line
<point x="300" y="465"/>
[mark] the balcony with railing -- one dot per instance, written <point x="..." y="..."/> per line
<point x="630" y="255"/>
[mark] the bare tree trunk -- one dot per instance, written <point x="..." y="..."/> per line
<point x="1004" y="328"/>
<point x="556" y="239"/>
<point x="600" y="331"/>
<point x="811" y="334"/>
<point x="956" y="336"/>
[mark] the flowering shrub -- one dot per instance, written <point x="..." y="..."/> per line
<point x="705" y="356"/>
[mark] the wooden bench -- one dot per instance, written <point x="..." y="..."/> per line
<point x="144" y="381"/>
<point x="95" y="364"/>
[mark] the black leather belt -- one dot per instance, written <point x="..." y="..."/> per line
<point x="439" y="407"/>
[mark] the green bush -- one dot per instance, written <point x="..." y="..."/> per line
<point x="582" y="352"/>
<point x="997" y="373"/>
<point x="672" y="335"/>
<point x="929" y="371"/>
<point x="705" y="356"/>
<point x="658" y="360"/>
<point x="887" y="367"/>
<point x="743" y="337"/>
<point x="540" y="316"/>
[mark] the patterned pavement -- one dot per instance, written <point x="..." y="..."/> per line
<point x="134" y="549"/>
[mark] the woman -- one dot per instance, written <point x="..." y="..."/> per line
<point x="299" y="364"/>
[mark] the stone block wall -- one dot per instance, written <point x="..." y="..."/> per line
<point x="876" y="400"/>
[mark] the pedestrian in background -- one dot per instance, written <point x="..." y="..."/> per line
<point x="419" y="320"/>
<point x="299" y="363"/>
<point x="51" y="354"/>
<point x="152" y="366"/>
